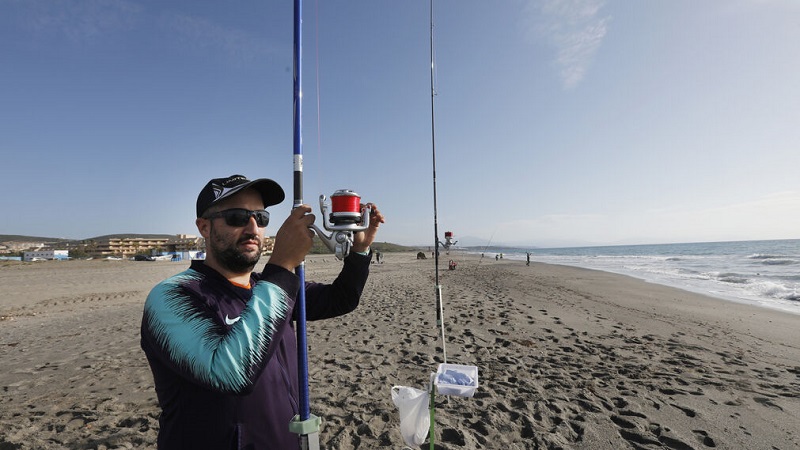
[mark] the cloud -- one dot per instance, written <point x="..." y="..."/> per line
<point x="91" y="21"/>
<point x="203" y="35"/>
<point x="575" y="28"/>
<point x="80" y="21"/>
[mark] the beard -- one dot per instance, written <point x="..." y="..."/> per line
<point x="230" y="257"/>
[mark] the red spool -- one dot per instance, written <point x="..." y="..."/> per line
<point x="345" y="207"/>
<point x="345" y="202"/>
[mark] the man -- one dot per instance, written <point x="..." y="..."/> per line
<point x="219" y="338"/>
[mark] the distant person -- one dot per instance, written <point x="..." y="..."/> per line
<point x="219" y="337"/>
<point x="528" y="255"/>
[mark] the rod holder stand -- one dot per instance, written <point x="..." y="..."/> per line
<point x="308" y="431"/>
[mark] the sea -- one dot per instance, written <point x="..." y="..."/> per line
<point x="762" y="273"/>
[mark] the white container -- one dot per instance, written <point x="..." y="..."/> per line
<point x="448" y="388"/>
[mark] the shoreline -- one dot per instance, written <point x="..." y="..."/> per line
<point x="772" y="304"/>
<point x="567" y="357"/>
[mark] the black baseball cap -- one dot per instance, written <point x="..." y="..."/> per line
<point x="219" y="189"/>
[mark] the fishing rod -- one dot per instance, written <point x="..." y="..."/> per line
<point x="438" y="288"/>
<point x="449" y="379"/>
<point x="485" y="247"/>
<point x="304" y="424"/>
<point x="347" y="217"/>
<point x="436" y="241"/>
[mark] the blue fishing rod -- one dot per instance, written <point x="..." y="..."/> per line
<point x="304" y="424"/>
<point x="347" y="216"/>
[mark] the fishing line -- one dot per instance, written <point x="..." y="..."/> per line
<point x="485" y="247"/>
<point x="319" y="126"/>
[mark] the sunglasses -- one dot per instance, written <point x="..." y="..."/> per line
<point x="239" y="217"/>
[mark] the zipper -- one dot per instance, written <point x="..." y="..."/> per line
<point x="289" y="388"/>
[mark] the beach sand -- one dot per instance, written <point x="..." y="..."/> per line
<point x="568" y="358"/>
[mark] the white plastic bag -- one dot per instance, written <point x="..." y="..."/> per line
<point x="415" y="421"/>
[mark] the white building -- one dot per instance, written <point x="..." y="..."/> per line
<point x="46" y="254"/>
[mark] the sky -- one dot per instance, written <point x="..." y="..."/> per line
<point x="556" y="122"/>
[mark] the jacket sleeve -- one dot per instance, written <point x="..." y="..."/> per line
<point x="324" y="301"/>
<point x="179" y="330"/>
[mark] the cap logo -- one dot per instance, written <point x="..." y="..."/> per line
<point x="223" y="188"/>
<point x="217" y="190"/>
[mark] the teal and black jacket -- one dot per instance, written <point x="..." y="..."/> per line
<point x="224" y="357"/>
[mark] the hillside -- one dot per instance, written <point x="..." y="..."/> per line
<point x="318" y="247"/>
<point x="19" y="238"/>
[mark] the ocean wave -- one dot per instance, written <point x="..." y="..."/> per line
<point x="770" y="256"/>
<point x="774" y="290"/>
<point x="795" y="297"/>
<point x="779" y="262"/>
<point x="763" y="256"/>
<point x="687" y="271"/>
<point x="734" y="278"/>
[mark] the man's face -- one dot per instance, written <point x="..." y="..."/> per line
<point x="237" y="249"/>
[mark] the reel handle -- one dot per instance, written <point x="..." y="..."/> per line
<point x="338" y="242"/>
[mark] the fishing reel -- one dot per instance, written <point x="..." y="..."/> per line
<point x="448" y="239"/>
<point x="345" y="219"/>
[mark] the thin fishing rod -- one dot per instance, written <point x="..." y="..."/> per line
<point x="302" y="346"/>
<point x="305" y="425"/>
<point x="485" y="247"/>
<point x="439" y="307"/>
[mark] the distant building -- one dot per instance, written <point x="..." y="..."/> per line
<point x="126" y="246"/>
<point x="45" y="254"/>
<point x="183" y="246"/>
<point x="186" y="245"/>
